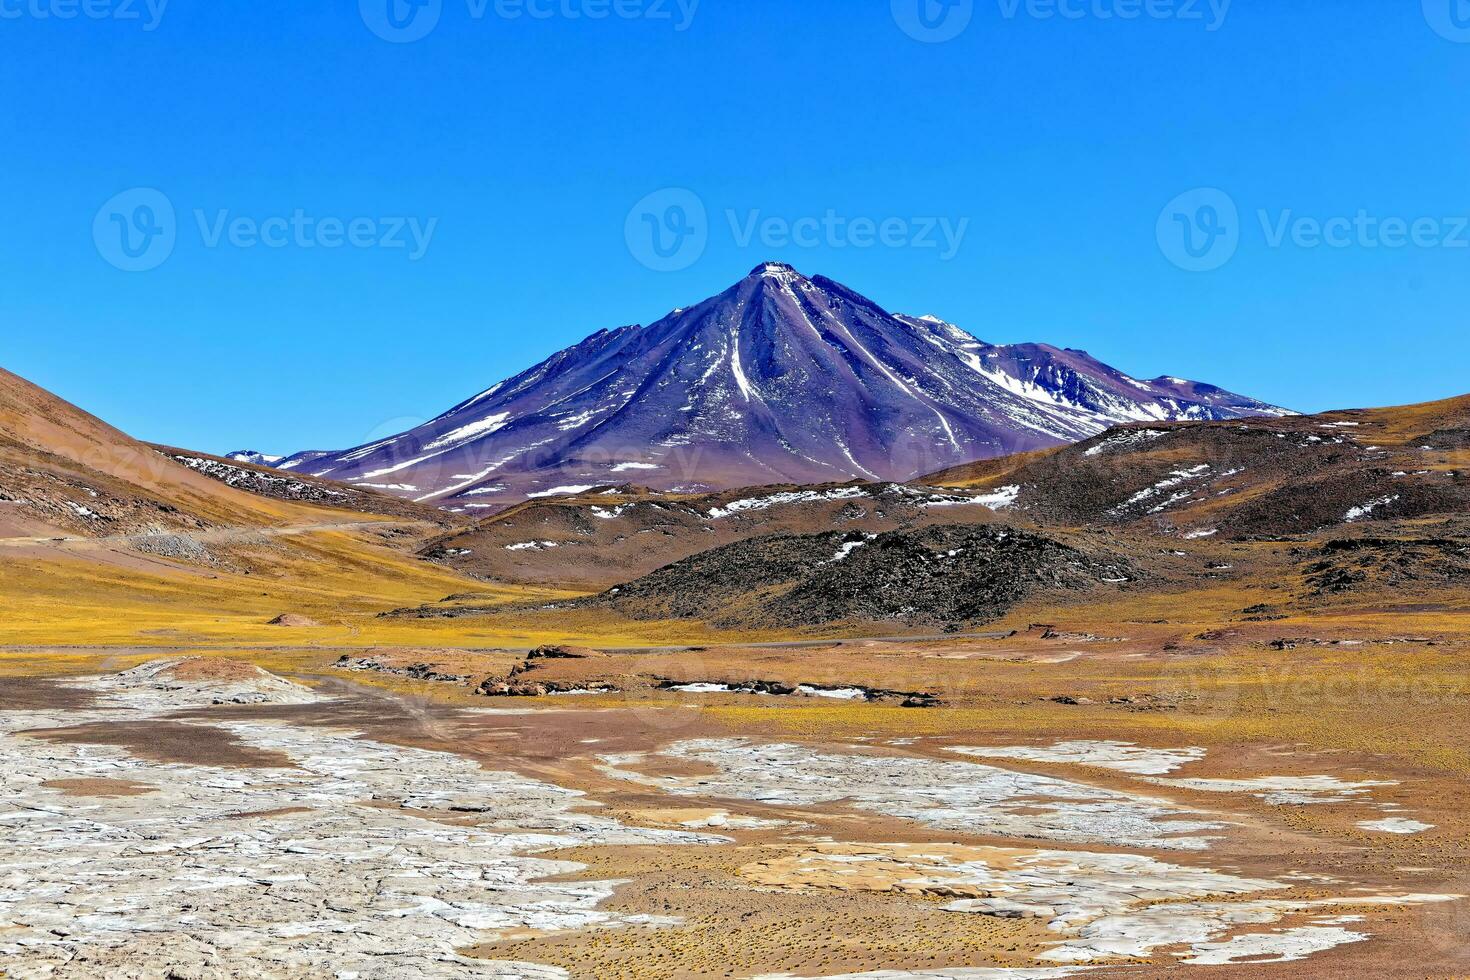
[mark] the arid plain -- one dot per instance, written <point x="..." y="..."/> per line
<point x="263" y="725"/>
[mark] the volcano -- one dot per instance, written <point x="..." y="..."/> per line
<point x="779" y="379"/>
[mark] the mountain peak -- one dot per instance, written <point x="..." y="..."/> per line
<point x="780" y="379"/>
<point x="775" y="270"/>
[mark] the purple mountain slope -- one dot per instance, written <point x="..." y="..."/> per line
<point x="779" y="379"/>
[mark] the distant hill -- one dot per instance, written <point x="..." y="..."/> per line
<point x="64" y="472"/>
<point x="1252" y="478"/>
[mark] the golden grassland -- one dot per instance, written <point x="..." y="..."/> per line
<point x="1402" y="423"/>
<point x="339" y="579"/>
<point x="1406" y="701"/>
<point x="343" y="580"/>
<point x="1324" y="704"/>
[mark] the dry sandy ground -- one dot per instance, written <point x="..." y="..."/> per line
<point x="1088" y="806"/>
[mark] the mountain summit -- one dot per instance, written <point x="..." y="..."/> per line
<point x="779" y="379"/>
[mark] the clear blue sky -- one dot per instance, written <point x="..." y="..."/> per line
<point x="529" y="139"/>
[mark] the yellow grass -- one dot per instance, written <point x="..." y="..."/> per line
<point x="338" y="579"/>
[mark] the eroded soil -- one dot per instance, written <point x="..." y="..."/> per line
<point x="1085" y="803"/>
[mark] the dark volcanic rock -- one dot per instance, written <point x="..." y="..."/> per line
<point x="1445" y="439"/>
<point x="1347" y="563"/>
<point x="1344" y="496"/>
<point x="945" y="577"/>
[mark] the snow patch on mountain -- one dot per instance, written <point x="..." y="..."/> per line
<point x="254" y="458"/>
<point x="474" y="430"/>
